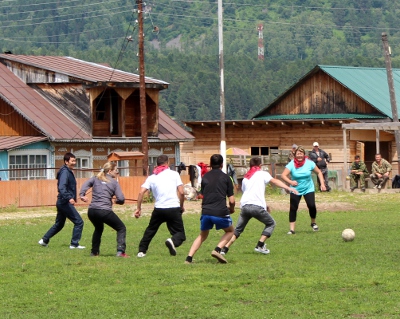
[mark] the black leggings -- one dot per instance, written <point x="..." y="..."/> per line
<point x="294" y="205"/>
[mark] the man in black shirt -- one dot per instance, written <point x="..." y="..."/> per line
<point x="216" y="186"/>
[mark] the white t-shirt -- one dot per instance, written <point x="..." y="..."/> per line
<point x="254" y="189"/>
<point x="164" y="188"/>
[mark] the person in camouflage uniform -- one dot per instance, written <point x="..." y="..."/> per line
<point x="358" y="172"/>
<point x="380" y="171"/>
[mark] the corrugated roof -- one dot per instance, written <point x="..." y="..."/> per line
<point x="170" y="130"/>
<point x="11" y="142"/>
<point x="370" y="84"/>
<point x="35" y="109"/>
<point x="87" y="71"/>
<point x="347" y="116"/>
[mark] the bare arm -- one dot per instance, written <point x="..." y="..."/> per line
<point x="231" y="204"/>
<point x="285" y="177"/>
<point x="181" y="196"/>
<point x="281" y="184"/>
<point x="138" y="210"/>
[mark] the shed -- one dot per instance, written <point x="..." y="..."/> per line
<point x="122" y="156"/>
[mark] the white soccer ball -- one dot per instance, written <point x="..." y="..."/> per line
<point x="348" y="234"/>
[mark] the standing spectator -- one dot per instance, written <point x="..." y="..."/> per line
<point x="216" y="186"/>
<point x="321" y="158"/>
<point x="300" y="170"/>
<point x="358" y="172"/>
<point x="167" y="188"/>
<point x="104" y="187"/>
<point x="66" y="199"/>
<point x="253" y="204"/>
<point x="380" y="171"/>
<point x="292" y="152"/>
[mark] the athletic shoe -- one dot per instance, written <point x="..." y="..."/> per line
<point x="314" y="227"/>
<point x="94" y="255"/>
<point x="140" y="254"/>
<point x="42" y="243"/>
<point x="188" y="262"/>
<point x="224" y="250"/>
<point x="121" y="254"/>
<point x="291" y="232"/>
<point x="219" y="257"/>
<point x="379" y="186"/>
<point x="363" y="190"/>
<point x="170" y="244"/>
<point x="376" y="186"/>
<point x="262" y="250"/>
<point x="352" y="189"/>
<point x="77" y="247"/>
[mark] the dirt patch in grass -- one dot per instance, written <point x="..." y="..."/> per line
<point x="191" y="207"/>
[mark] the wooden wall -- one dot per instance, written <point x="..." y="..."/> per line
<point x="13" y="124"/>
<point x="320" y="94"/>
<point x="37" y="193"/>
<point x="330" y="138"/>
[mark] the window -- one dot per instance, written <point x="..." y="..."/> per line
<point x="123" y="171"/>
<point x="263" y="150"/>
<point x="27" y="166"/>
<point x="83" y="163"/>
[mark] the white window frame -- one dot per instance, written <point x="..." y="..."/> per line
<point x="30" y="152"/>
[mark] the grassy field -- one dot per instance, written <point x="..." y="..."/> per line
<point x="307" y="275"/>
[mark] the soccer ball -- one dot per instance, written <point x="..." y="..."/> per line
<point x="348" y="234"/>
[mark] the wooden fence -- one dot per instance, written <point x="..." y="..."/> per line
<point x="37" y="193"/>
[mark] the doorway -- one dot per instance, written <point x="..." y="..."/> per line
<point x="370" y="151"/>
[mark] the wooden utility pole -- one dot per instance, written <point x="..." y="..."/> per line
<point x="142" y="92"/>
<point x="392" y="93"/>
<point x="222" y="89"/>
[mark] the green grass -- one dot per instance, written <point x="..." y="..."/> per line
<point x="307" y="275"/>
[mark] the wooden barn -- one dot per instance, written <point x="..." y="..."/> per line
<point x="313" y="109"/>
<point x="50" y="105"/>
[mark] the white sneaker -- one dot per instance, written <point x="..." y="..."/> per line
<point x="77" y="247"/>
<point x="262" y="250"/>
<point x="42" y="243"/>
<point x="171" y="247"/>
<point x="140" y="254"/>
<point x="379" y="186"/>
<point x="376" y="186"/>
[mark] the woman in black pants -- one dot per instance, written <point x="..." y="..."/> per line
<point x="104" y="188"/>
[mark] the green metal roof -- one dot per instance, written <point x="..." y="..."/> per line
<point x="370" y="84"/>
<point x="322" y="116"/>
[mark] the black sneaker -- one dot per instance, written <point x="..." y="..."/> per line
<point x="314" y="226"/>
<point x="291" y="232"/>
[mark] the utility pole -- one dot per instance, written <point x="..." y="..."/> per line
<point x="142" y="92"/>
<point x="393" y="103"/>
<point x="222" y="89"/>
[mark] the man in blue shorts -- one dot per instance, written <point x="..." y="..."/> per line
<point x="216" y="186"/>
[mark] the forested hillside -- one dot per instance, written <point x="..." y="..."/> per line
<point x="182" y="43"/>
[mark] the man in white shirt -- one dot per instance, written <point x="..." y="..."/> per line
<point x="253" y="204"/>
<point x="167" y="188"/>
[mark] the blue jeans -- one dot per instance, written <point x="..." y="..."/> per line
<point x="66" y="210"/>
<point x="253" y="211"/>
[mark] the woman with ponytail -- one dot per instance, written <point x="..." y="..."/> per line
<point x="104" y="187"/>
<point x="300" y="169"/>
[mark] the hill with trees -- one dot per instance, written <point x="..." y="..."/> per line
<point x="181" y="43"/>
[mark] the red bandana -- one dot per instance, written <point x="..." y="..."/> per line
<point x="251" y="171"/>
<point x="298" y="164"/>
<point x="158" y="169"/>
